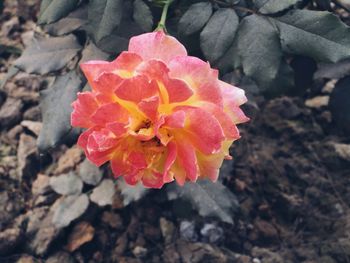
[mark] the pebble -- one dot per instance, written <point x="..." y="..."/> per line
<point x="188" y="231"/>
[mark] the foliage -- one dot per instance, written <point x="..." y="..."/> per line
<point x="257" y="37"/>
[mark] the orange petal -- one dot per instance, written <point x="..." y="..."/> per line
<point x="153" y="180"/>
<point x="171" y="157"/>
<point x="83" y="108"/>
<point x="156" y="45"/>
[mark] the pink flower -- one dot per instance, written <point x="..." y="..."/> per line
<point x="157" y="114"/>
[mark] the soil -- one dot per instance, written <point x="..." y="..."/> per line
<point x="290" y="173"/>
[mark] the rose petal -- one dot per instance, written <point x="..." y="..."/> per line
<point x="109" y="113"/>
<point x="83" y="108"/>
<point x="136" y="89"/>
<point x="186" y="157"/>
<point x="156" y="45"/>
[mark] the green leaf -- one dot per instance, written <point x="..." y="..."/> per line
<point x="208" y="198"/>
<point x="218" y="34"/>
<point x="55" y="106"/>
<point x="143" y="15"/>
<point x="259" y="49"/>
<point x="104" y="17"/>
<point x="320" y="35"/>
<point x="53" y="10"/>
<point x="274" y="6"/>
<point x="195" y="18"/>
<point x="48" y="55"/>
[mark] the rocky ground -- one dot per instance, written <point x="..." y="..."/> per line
<point x="290" y="174"/>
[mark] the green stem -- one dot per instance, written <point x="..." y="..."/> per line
<point x="161" y="24"/>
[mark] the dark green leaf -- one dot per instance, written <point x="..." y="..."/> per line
<point x="218" y="34"/>
<point x="47" y="55"/>
<point x="283" y="83"/>
<point x="104" y="17"/>
<point x="53" y="10"/>
<point x="143" y="15"/>
<point x="195" y="18"/>
<point x="320" y="35"/>
<point x="72" y="22"/>
<point x="324" y="4"/>
<point x="274" y="6"/>
<point x="69" y="209"/>
<point x="55" y="105"/>
<point x="259" y="49"/>
<point x="208" y="198"/>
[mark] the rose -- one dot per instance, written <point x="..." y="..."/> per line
<point x="157" y="114"/>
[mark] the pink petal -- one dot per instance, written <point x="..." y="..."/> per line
<point x="127" y="61"/>
<point x="203" y="130"/>
<point x="232" y="95"/>
<point x="117" y="128"/>
<point x="156" y="45"/>
<point x="199" y="77"/>
<point x="186" y="157"/>
<point x="178" y="90"/>
<point x="106" y="83"/>
<point x="153" y="180"/>
<point x="150" y="107"/>
<point x="92" y="69"/>
<point x="175" y="120"/>
<point x="171" y="157"/>
<point x="83" y="108"/>
<point x="110" y="113"/>
<point x="137" y="89"/>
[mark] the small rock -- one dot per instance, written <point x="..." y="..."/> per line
<point x="32" y="114"/>
<point x="69" y="160"/>
<point x="256" y="260"/>
<point x="317" y="102"/>
<point x="267" y="230"/>
<point x="90" y="173"/>
<point x="60" y="257"/>
<point x="112" y="219"/>
<point x="343" y="150"/>
<point x="26" y="259"/>
<point x="9" y="240"/>
<point x="27" y="156"/>
<point x="244" y="259"/>
<point x="103" y="193"/>
<point x="33" y="126"/>
<point x="69" y="208"/>
<point x="82" y="233"/>
<point x="10" y="112"/>
<point x="329" y="86"/>
<point x="41" y="185"/>
<point x="212" y="233"/>
<point x="66" y="184"/>
<point x="188" y="231"/>
<point x="14" y="133"/>
<point x="139" y="252"/>
<point x="167" y="229"/>
<point x="46" y="234"/>
<point x="266" y="255"/>
<point x="121" y="245"/>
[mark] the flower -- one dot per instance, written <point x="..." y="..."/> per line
<point x="157" y="114"/>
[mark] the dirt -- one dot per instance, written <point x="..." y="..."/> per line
<point x="289" y="172"/>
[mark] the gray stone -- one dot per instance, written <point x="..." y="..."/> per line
<point x="90" y="173"/>
<point x="60" y="257"/>
<point x="66" y="184"/>
<point x="188" y="231"/>
<point x="103" y="193"/>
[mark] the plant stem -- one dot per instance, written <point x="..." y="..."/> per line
<point x="161" y="24"/>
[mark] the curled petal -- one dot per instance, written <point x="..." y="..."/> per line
<point x="156" y="45"/>
<point x="126" y="63"/>
<point x="150" y="107"/>
<point x="83" y="108"/>
<point x="171" y="157"/>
